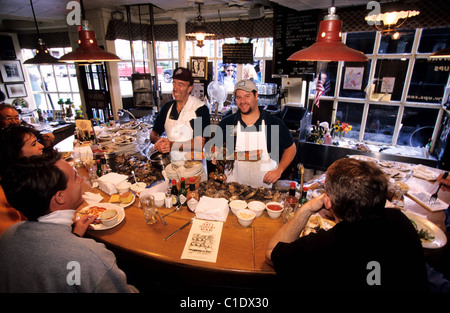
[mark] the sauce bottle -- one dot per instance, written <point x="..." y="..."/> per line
<point x="174" y="193"/>
<point x="183" y="193"/>
<point x="291" y="204"/>
<point x="192" y="196"/>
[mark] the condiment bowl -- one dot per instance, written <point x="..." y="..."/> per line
<point x="237" y="205"/>
<point x="123" y="187"/>
<point x="159" y="198"/>
<point x="109" y="217"/>
<point x="138" y="187"/>
<point x="257" y="206"/>
<point x="245" y="217"/>
<point x="274" y="209"/>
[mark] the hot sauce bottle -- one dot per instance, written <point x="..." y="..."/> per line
<point x="291" y="204"/>
<point x="192" y="196"/>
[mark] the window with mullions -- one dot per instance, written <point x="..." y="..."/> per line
<point x="434" y="39"/>
<point x="50" y="83"/>
<point x="391" y="44"/>
<point x="380" y="123"/>
<point x="417" y="126"/>
<point x="351" y="112"/>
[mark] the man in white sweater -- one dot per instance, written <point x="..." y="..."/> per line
<point x="48" y="253"/>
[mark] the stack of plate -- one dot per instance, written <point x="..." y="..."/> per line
<point x="187" y="169"/>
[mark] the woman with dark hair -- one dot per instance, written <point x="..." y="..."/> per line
<point x="17" y="144"/>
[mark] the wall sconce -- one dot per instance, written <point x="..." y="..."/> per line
<point x="388" y="17"/>
<point x="200" y="32"/>
<point x="329" y="46"/>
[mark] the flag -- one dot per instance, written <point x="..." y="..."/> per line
<point x="319" y="92"/>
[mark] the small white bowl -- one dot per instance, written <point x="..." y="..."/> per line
<point x="138" y="187"/>
<point x="159" y="198"/>
<point x="274" y="213"/>
<point x="123" y="187"/>
<point x="245" y="217"/>
<point x="257" y="206"/>
<point x="237" y="205"/>
<point x="109" y="217"/>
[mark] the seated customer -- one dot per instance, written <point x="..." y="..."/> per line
<point x="16" y="142"/>
<point x="371" y="248"/>
<point x="43" y="254"/>
<point x="10" y="117"/>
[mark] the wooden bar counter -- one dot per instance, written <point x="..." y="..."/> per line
<point x="241" y="257"/>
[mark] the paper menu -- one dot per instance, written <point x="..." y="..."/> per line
<point x="423" y="198"/>
<point x="203" y="241"/>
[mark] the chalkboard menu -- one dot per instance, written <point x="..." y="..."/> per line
<point x="238" y="53"/>
<point x="293" y="31"/>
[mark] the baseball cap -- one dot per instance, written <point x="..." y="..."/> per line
<point x="183" y="74"/>
<point x="246" y="85"/>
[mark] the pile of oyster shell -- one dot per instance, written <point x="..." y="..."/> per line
<point x="143" y="169"/>
<point x="236" y="191"/>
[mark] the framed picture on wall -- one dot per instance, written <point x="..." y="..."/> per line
<point x="11" y="71"/>
<point x="16" y="90"/>
<point x="199" y="67"/>
<point x="353" y="78"/>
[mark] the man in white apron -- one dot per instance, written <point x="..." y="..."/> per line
<point x="176" y="119"/>
<point x="254" y="166"/>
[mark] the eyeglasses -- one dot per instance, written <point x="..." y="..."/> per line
<point x="9" y="119"/>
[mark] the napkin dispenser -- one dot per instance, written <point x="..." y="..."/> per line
<point x="107" y="183"/>
<point x="215" y="209"/>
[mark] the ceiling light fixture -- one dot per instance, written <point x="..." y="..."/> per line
<point x="200" y="32"/>
<point x="43" y="55"/>
<point x="88" y="51"/>
<point x="329" y="46"/>
<point x="389" y="16"/>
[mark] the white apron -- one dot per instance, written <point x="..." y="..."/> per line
<point x="251" y="173"/>
<point x="180" y="130"/>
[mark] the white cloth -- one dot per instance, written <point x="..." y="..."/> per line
<point x="180" y="130"/>
<point x="215" y="209"/>
<point x="61" y="217"/>
<point x="108" y="183"/>
<point x="251" y="173"/>
<point x="92" y="198"/>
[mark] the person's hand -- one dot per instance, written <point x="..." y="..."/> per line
<point x="314" y="205"/>
<point x="47" y="139"/>
<point x="445" y="182"/>
<point x="163" y="145"/>
<point x="81" y="226"/>
<point x="272" y="176"/>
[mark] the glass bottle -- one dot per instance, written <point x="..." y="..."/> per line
<point x="99" y="169"/>
<point x="105" y="167"/>
<point x="192" y="196"/>
<point x="303" y="198"/>
<point x="174" y="193"/>
<point x="76" y="142"/>
<point x="182" y="193"/>
<point x="93" y="177"/>
<point x="291" y="204"/>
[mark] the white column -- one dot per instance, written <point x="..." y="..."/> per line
<point x="181" y="23"/>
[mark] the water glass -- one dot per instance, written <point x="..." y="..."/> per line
<point x="148" y="206"/>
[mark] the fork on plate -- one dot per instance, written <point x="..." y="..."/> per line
<point x="434" y="196"/>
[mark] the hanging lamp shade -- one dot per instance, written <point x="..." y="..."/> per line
<point x="440" y="54"/>
<point x="392" y="15"/>
<point x="42" y="56"/>
<point x="329" y="46"/>
<point x="88" y="50"/>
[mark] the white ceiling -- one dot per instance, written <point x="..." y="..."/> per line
<point x="55" y="10"/>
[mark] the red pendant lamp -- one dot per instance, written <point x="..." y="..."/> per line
<point x="88" y="50"/>
<point x="329" y="46"/>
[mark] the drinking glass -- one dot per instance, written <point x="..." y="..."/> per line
<point x="148" y="206"/>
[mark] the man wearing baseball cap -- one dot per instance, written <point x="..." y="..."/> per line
<point x="259" y="139"/>
<point x="183" y="119"/>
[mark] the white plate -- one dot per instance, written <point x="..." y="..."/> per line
<point x="124" y="140"/>
<point x="422" y="223"/>
<point x="128" y="132"/>
<point x="130" y="125"/>
<point x="100" y="226"/>
<point x="363" y="158"/>
<point x="394" y="174"/>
